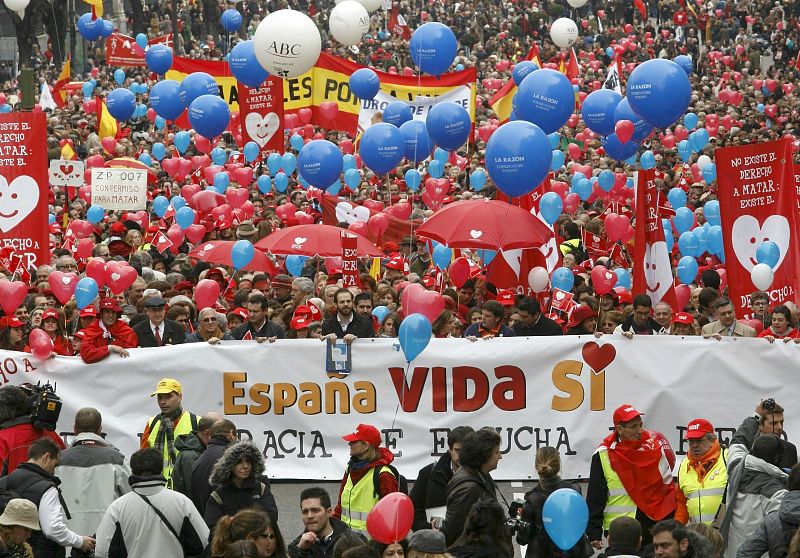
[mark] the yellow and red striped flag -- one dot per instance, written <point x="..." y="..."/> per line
<point x="97" y="8"/>
<point x="501" y="102"/>
<point x="59" y="89"/>
<point x="107" y="126"/>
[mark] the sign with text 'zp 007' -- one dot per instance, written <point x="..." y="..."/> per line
<point x="119" y="189"/>
<point x="24" y="186"/>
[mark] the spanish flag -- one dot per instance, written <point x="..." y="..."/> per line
<point x="59" y="89"/>
<point x="67" y="151"/>
<point x="107" y="126"/>
<point x="501" y="102"/>
<point x="97" y="8"/>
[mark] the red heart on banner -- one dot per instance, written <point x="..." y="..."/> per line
<point x="62" y="285"/>
<point x="12" y="293"/>
<point x="598" y="357"/>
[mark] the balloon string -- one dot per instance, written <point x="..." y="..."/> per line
<point x="402" y="394"/>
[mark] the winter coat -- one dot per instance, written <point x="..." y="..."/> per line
<point x="472" y="551"/>
<point x="320" y="549"/>
<point x="467" y="486"/>
<point x="774" y="534"/>
<point x="539" y="543"/>
<point x="200" y="488"/>
<point x="189" y="447"/>
<point x="430" y="489"/>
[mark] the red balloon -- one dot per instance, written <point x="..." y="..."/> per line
<point x="119" y="277"/>
<point x="624" y="130"/>
<point x="374" y="205"/>
<point x="81" y="228"/>
<point x="378" y="223"/>
<point x="12" y="293"/>
<point x="62" y="285"/>
<point x="206" y="294"/>
<point x="304" y="218"/>
<point x="202" y="144"/>
<point x="84" y="248"/>
<point x="96" y="269"/>
<point x="285" y="211"/>
<point x="603" y="280"/>
<point x="195" y="233"/>
<point x="359" y="227"/>
<point x="175" y="235"/>
<point x="459" y="271"/>
<point x="391" y="518"/>
<point x="40" y="343"/>
<point x="616" y="225"/>
<point x="237" y="196"/>
<point x="109" y="144"/>
<point x="571" y="202"/>
<point x="416" y="299"/>
<point x="757" y="325"/>
<point x="207" y="200"/>
<point x="682" y="294"/>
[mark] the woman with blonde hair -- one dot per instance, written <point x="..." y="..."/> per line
<point x="19" y="519"/>
<point x="249" y="524"/>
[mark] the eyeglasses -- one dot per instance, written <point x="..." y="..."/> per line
<point x="268" y="536"/>
<point x="206" y="320"/>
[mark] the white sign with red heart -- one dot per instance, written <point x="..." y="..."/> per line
<point x="66" y="173"/>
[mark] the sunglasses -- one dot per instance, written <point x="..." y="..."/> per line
<point x="205" y="320"/>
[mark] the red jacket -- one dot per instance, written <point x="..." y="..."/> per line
<point x="95" y="343"/>
<point x="386" y="481"/>
<point x="14" y="443"/>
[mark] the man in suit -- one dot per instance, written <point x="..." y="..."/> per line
<point x="156" y="331"/>
<point x="346" y="324"/>
<point x="726" y="324"/>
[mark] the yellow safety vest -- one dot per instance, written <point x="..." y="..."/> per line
<point x="703" y="498"/>
<point x="186" y="424"/>
<point x="359" y="499"/>
<point x="619" y="504"/>
<point x="569" y="246"/>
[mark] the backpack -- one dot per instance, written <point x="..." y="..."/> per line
<point x="402" y="482"/>
<point x="788" y="530"/>
<point x="6" y="496"/>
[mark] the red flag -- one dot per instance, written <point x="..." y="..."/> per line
<point x="573" y="69"/>
<point x="160" y="241"/>
<point x="641" y="7"/>
<point x="652" y="269"/>
<point x="398" y="25"/>
<point x="59" y="91"/>
<point x="247" y="336"/>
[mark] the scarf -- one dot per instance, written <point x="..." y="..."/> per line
<point x="638" y="463"/>
<point x="166" y="434"/>
<point x="704" y="463"/>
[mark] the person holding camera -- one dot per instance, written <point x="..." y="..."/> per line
<point x="768" y="419"/>
<point x="17" y="431"/>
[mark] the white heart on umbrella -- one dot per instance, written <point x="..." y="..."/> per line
<point x="609" y="275"/>
<point x="299" y="240"/>
<point x="208" y="246"/>
<point x="475" y="234"/>
<point x="261" y="128"/>
<point x="115" y="276"/>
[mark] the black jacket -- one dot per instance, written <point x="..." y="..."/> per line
<point x="269" y="329"/>
<point x="199" y="485"/>
<point x="430" y="489"/>
<point x="172" y="333"/>
<point x="539" y="543"/>
<point x="189" y="447"/>
<point x="543" y="326"/>
<point x="653" y="327"/>
<point x="254" y="493"/>
<point x="322" y="548"/>
<point x="467" y="486"/>
<point x="358" y="326"/>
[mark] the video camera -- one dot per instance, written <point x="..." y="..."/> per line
<point x="768" y="404"/>
<point x="515" y="523"/>
<point x="44" y="405"/>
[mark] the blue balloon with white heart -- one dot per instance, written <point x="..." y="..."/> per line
<point x="623" y="278"/>
<point x="85" y="292"/>
<point x="221" y="182"/>
<point x="197" y="84"/>
<point x="185" y="217"/>
<point x="89" y="28"/>
<point x="676" y="197"/>
<point x="281" y="181"/>
<point x="242" y="253"/>
<point x="382" y="147"/>
<point x="181" y="141"/>
<point x="641" y="129"/>
<point x="606" y="180"/>
<point x="264" y="183"/>
<point x="209" y="115"/>
<point x="550" y="207"/>
<point x="545" y="98"/>
<point x="165" y="99"/>
<point x="159" y="58"/>
<point x="352" y="178"/>
<point x="659" y="91"/>
<point x="522" y="69"/>
<point x="683" y="219"/>
<point x="95" y="214"/>
<point x="414" y="335"/>
<point x="477" y="179"/>
<point x="320" y="163"/>
<point x="244" y="65"/>
<point x="413" y="179"/>
<point x="418" y="142"/>
<point x="231" y="20"/>
<point x="449" y="125"/>
<point x="433" y="48"/>
<point x="518" y="156"/>
<point x="598" y="110"/>
<point x="121" y="103"/>
<point x="687" y="269"/>
<point x="365" y="83"/>
<point x="768" y="253"/>
<point x="288" y="163"/>
<point x="119" y="76"/>
<point x="160" y="205"/>
<point x="563" y="279"/>
<point x="295" y="264"/>
<point x="435" y="169"/>
<point x="397" y="113"/>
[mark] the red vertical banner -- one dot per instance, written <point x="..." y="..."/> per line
<point x="261" y="114"/>
<point x="652" y="269"/>
<point x="758" y="203"/>
<point x="24" y="186"/>
<point x="797" y="184"/>
<point x="350" y="276"/>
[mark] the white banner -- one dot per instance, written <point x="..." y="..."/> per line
<point x="558" y="391"/>
<point x="119" y="189"/>
<point x="66" y="173"/>
<point x="419" y="107"/>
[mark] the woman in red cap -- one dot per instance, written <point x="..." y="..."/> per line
<point x="52" y="325"/>
<point x="360" y="490"/>
<point x="108" y="335"/>
<point x="11" y="336"/>
<point x="582" y="321"/>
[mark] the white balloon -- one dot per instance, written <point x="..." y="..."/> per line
<point x="577" y="3"/>
<point x="702" y="161"/>
<point x="538" y="279"/>
<point x="370" y="5"/>
<point x="762" y="276"/>
<point x="17" y="6"/>
<point x="287" y="43"/>
<point x="348" y="22"/>
<point x="564" y="32"/>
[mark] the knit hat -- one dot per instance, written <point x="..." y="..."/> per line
<point x="428" y="541"/>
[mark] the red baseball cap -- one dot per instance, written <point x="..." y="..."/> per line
<point x="683" y="318"/>
<point x="80" y="334"/>
<point x="110" y="304"/>
<point x="50" y="313"/>
<point x="625" y="413"/>
<point x="10" y="321"/>
<point x="365" y="433"/>
<point x="698" y="428"/>
<point x="241" y="312"/>
<point x="300" y="321"/>
<point x="505" y="297"/>
<point x="89" y="312"/>
<point x="398" y="262"/>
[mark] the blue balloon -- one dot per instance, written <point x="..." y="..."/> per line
<point x="296" y="142"/>
<point x="442" y="256"/>
<point x="181" y="141"/>
<point x="90" y="29"/>
<point x="701" y="139"/>
<point x="659" y="91"/>
<point x="218" y="156"/>
<point x="760" y="107"/>
<point x="518" y="156"/>
<point x="382" y="147"/>
<point x="184" y="217"/>
<point x="418" y="142"/>
<point x="365" y="83"/>
<point x="768" y="253"/>
<point x="413" y="179"/>
<point x="435" y="169"/>
<point x="618" y="150"/>
<point x="349" y="162"/>
<point x="647" y="160"/>
<point x="685" y="63"/>
<point x="141" y="40"/>
<point x="685" y="150"/>
<point x="701" y="236"/>
<point x="582" y="187"/>
<point x="244" y="65"/>
<point x="264" y="183"/>
<point x="558" y="160"/>
<point x="5" y="108"/>
<point x="160" y="123"/>
<point x="546" y="98"/>
<point x="433" y="47"/>
<point x="159" y="58"/>
<point x="87" y="89"/>
<point x="486" y="256"/>
<point x="714" y="243"/>
<point x="303" y="182"/>
<point x="397" y="113"/>
<point x="598" y="110"/>
<point x="353" y="178"/>
<point x="251" y="151"/>
<point x="165" y="99"/>
<point x="121" y="103"/>
<point x="160" y="206"/>
<point x="623" y="278"/>
<point x="288" y="163"/>
<point x="231" y="20"/>
<point x="414" y="335"/>
<point x="554" y="139"/>
<point x="145" y="159"/>
<point x="441" y="155"/>
<point x="688" y="244"/>
<point x="196" y="85"/>
<point x="119" y="76"/>
<point x="320" y="163"/>
<point x="51" y="219"/>
<point x="687" y="269"/>
<point x="690" y="121"/>
<point x="563" y="279"/>
<point x="676" y="197"/>
<point x="522" y="69"/>
<point x="221" y="182"/>
<point x="683" y="220"/>
<point x="281" y="182"/>
<point x="550" y="206"/>
<point x="711" y="212"/>
<point x="295" y="264"/>
<point x="449" y="125"/>
<point x="177" y="202"/>
<point x="85" y="292"/>
<point x="641" y="129"/>
<point x="606" y="180"/>
<point x="380" y="312"/>
<point x="108" y="28"/>
<point x="209" y="115"/>
<point x="274" y="163"/>
<point x="95" y="214"/>
<point x="242" y="253"/>
<point x="334" y="188"/>
<point x="477" y="179"/>
<point x="710" y="172"/>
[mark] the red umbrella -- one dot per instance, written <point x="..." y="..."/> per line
<point x="486" y="224"/>
<point x="314" y="240"/>
<point x="219" y="252"/>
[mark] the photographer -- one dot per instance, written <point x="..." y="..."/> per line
<point x="17" y="429"/>
<point x="768" y="419"/>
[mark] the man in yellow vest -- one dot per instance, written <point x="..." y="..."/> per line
<point x="702" y="476"/>
<point x="162" y="429"/>
<point x="631" y="475"/>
